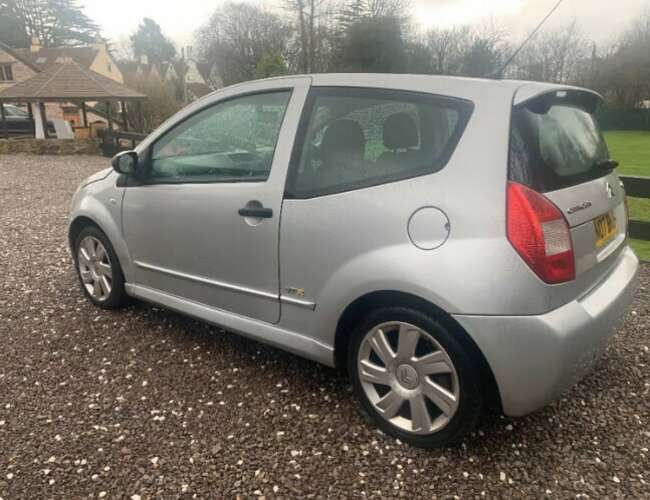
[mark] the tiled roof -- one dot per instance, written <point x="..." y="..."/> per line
<point x="15" y="53"/>
<point x="46" y="57"/>
<point x="180" y="67"/>
<point x="164" y="68"/>
<point x="205" y="70"/>
<point x="69" y="82"/>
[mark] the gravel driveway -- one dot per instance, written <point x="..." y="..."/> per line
<point x="146" y="403"/>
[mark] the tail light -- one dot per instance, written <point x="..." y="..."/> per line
<point x="540" y="234"/>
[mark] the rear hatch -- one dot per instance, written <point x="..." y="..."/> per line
<point x="556" y="148"/>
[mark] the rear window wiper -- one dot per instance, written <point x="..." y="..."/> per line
<point x="606" y="164"/>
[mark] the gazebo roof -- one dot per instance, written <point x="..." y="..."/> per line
<point x="68" y="81"/>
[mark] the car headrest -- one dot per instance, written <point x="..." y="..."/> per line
<point x="400" y="132"/>
<point x="343" y="138"/>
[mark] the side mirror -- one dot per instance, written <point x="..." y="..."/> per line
<point x="125" y="162"/>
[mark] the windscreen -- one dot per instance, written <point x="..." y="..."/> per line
<point x="555" y="147"/>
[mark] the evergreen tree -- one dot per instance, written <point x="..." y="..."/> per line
<point x="53" y="22"/>
<point x="150" y="41"/>
<point x="373" y="45"/>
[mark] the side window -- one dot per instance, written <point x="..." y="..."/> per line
<point x="354" y="138"/>
<point x="232" y="141"/>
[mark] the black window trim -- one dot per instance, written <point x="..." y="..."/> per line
<point x="144" y="178"/>
<point x="465" y="109"/>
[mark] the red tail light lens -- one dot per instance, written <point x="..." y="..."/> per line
<point x="540" y="234"/>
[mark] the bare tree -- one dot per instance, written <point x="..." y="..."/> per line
<point x="559" y="55"/>
<point x="388" y="8"/>
<point x="237" y="37"/>
<point x="623" y="75"/>
<point x="447" y="46"/>
<point x="312" y="18"/>
<point x="486" y="51"/>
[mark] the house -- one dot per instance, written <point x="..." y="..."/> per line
<point x="13" y="68"/>
<point x="95" y="57"/>
<point x="186" y="72"/>
<point x="18" y="65"/>
<point x="168" y="72"/>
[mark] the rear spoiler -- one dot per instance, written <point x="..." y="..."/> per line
<point x="539" y="98"/>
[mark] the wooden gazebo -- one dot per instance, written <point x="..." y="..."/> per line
<point x="68" y="82"/>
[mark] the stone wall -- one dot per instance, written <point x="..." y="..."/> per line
<point x="49" y="146"/>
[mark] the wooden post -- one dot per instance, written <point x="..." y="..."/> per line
<point x="83" y="112"/>
<point x="4" y="120"/>
<point x="125" y="117"/>
<point x="31" y="117"/>
<point x="41" y="108"/>
<point x="109" y="114"/>
<point x="141" y="117"/>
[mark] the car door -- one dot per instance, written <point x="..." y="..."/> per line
<point x="204" y="222"/>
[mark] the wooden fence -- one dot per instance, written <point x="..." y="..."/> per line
<point x="115" y="141"/>
<point x="638" y="187"/>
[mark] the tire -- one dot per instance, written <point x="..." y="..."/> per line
<point x="439" y="360"/>
<point x="91" y="268"/>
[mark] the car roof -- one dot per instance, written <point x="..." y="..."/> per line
<point x="474" y="89"/>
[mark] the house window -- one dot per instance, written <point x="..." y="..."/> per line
<point x="6" y="73"/>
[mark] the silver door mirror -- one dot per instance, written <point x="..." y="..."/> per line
<point x="125" y="162"/>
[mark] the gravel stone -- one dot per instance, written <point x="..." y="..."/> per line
<point x="89" y="398"/>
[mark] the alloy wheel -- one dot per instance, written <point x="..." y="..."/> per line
<point x="95" y="268"/>
<point x="408" y="377"/>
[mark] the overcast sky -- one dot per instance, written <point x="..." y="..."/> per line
<point x="600" y="20"/>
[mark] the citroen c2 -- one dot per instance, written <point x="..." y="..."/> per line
<point x="454" y="243"/>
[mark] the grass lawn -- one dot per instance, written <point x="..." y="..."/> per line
<point x="632" y="150"/>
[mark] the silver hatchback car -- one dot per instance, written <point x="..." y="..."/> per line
<point x="453" y="242"/>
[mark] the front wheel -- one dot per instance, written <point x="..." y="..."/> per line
<point x="414" y="377"/>
<point x="98" y="269"/>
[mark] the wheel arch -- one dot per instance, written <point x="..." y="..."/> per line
<point x="77" y="224"/>
<point x="82" y="220"/>
<point x="360" y="307"/>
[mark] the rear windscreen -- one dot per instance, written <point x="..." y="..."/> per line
<point x="556" y="147"/>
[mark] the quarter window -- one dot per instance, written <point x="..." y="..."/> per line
<point x="229" y="142"/>
<point x="355" y="138"/>
<point x="6" y="73"/>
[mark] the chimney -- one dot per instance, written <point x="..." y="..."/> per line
<point x="99" y="42"/>
<point x="35" y="45"/>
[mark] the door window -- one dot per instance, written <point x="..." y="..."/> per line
<point x="232" y="141"/>
<point x="356" y="138"/>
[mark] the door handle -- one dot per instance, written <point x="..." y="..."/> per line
<point x="260" y="213"/>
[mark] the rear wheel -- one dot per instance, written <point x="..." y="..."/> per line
<point x="414" y="378"/>
<point x="98" y="269"/>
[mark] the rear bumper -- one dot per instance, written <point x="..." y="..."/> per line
<point x="535" y="358"/>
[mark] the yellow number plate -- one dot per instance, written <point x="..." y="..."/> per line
<point x="605" y="226"/>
